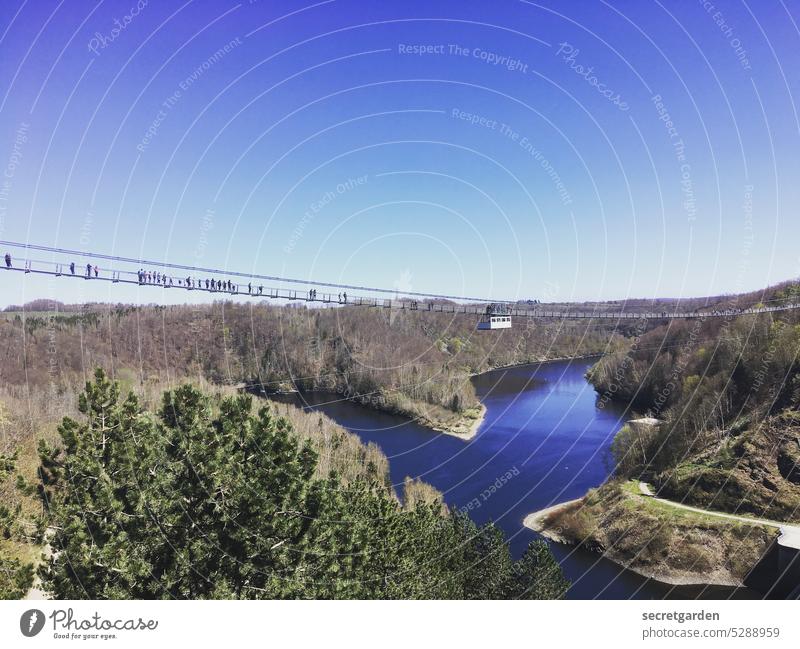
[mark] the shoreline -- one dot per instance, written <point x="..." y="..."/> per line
<point x="558" y="359"/>
<point x="477" y="423"/>
<point x="455" y="430"/>
<point x="535" y="522"/>
<point x="469" y="434"/>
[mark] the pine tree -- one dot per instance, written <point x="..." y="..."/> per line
<point x="537" y="575"/>
<point x="16" y="576"/>
<point x="208" y="500"/>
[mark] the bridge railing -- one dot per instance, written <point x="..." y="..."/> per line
<point x="125" y="276"/>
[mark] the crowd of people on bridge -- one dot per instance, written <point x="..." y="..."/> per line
<point x="498" y="309"/>
<point x="209" y="284"/>
<point x="157" y="278"/>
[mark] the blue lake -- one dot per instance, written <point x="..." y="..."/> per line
<point x="544" y="440"/>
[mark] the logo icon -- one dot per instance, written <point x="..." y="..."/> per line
<point x="31" y="622"/>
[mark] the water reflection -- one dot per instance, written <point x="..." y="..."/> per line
<point x="543" y="441"/>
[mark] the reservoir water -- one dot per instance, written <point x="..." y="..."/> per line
<point x="544" y="440"/>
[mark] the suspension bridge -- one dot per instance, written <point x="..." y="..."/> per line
<point x="152" y="274"/>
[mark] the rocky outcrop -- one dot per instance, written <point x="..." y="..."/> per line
<point x="654" y="540"/>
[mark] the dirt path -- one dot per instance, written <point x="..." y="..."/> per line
<point x="790" y="533"/>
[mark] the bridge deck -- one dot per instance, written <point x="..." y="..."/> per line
<point x="403" y="304"/>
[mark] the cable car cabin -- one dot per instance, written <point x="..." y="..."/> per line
<point x="495" y="322"/>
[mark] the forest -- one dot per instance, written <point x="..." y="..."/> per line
<point x="417" y="364"/>
<point x="726" y="392"/>
<point x="215" y="498"/>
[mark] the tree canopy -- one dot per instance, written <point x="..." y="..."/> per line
<point x="204" y="500"/>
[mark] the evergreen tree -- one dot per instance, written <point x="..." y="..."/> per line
<point x="537" y="574"/>
<point x="203" y="501"/>
<point x="16" y="576"/>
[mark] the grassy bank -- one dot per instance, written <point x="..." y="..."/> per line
<point x="655" y="539"/>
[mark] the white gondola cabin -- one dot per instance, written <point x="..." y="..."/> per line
<point x="495" y="322"/>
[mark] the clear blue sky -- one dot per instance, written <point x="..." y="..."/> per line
<point x="317" y="141"/>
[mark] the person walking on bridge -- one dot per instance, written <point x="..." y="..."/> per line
<point x="72" y="268"/>
<point x="8" y="260"/>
